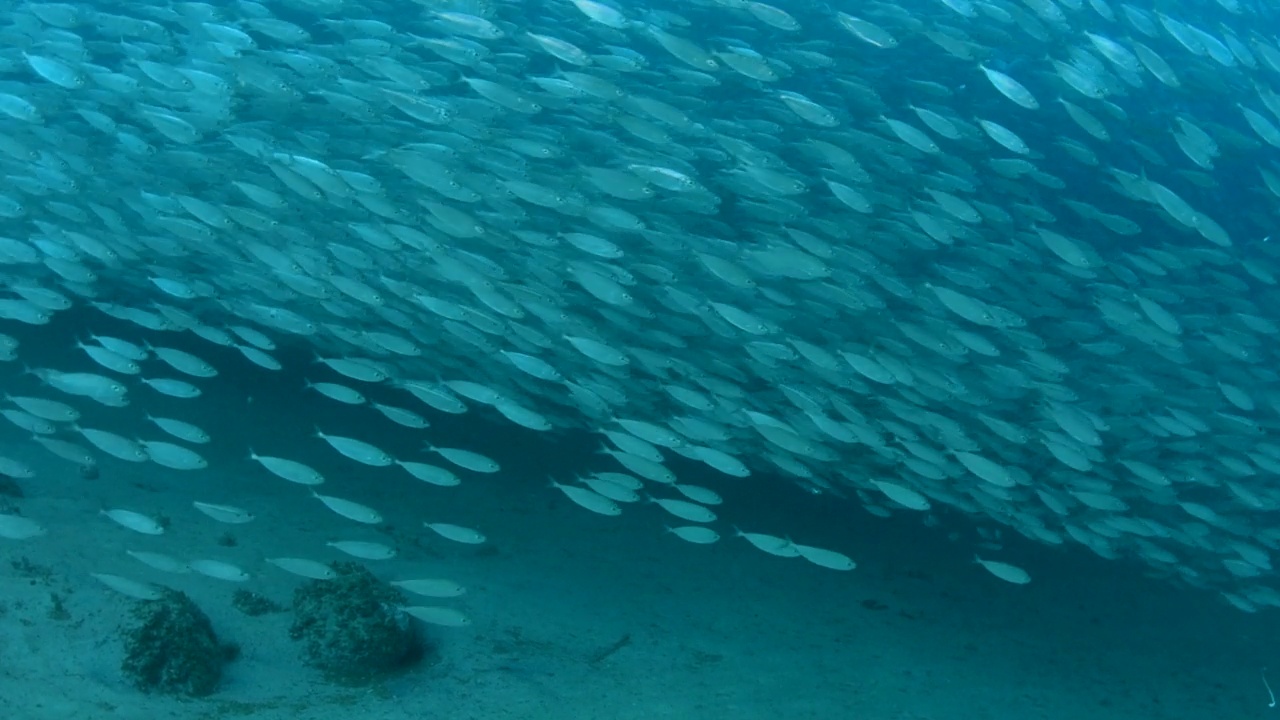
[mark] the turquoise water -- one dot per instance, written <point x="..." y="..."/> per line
<point x="898" y="360"/>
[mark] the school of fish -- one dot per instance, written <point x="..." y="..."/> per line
<point x="1006" y="258"/>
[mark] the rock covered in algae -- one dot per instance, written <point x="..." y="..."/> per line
<point x="352" y="626"/>
<point x="170" y="647"/>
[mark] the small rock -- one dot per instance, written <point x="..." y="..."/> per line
<point x="170" y="648"/>
<point x="352" y="626"/>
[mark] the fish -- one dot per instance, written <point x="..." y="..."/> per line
<point x="181" y="429"/>
<point x="447" y="617"/>
<point x="363" y="549"/>
<point x="129" y="587"/>
<point x="697" y="534"/>
<point x="350" y="509"/>
<point x="290" y="470"/>
<point x="355" y="368"/>
<point x="825" y="558"/>
<point x="311" y="569"/>
<point x="431" y="587"/>
<point x="51" y="410"/>
<point x="219" y="570"/>
<point x="684" y="509"/>
<point x="224" y="513"/>
<point x="467" y="459"/>
<point x="339" y="392"/>
<point x="1006" y="572"/>
<point x="588" y="499"/>
<point x="432" y="474"/>
<point x="184" y="362"/>
<point x="861" y="255"/>
<point x="172" y="455"/>
<point x="401" y="416"/>
<point x="134" y="521"/>
<point x="699" y="494"/>
<point x="902" y="495"/>
<point x="17" y="527"/>
<point x="160" y="561"/>
<point x="772" y="544"/>
<point x="172" y="387"/>
<point x="358" y="450"/>
<point x="113" y="444"/>
<point x="456" y="533"/>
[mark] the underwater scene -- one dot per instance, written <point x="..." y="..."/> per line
<point x="668" y="359"/>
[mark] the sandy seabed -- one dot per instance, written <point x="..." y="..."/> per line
<point x="576" y="615"/>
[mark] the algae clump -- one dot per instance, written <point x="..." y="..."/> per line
<point x="352" y="626"/>
<point x="170" y="647"/>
